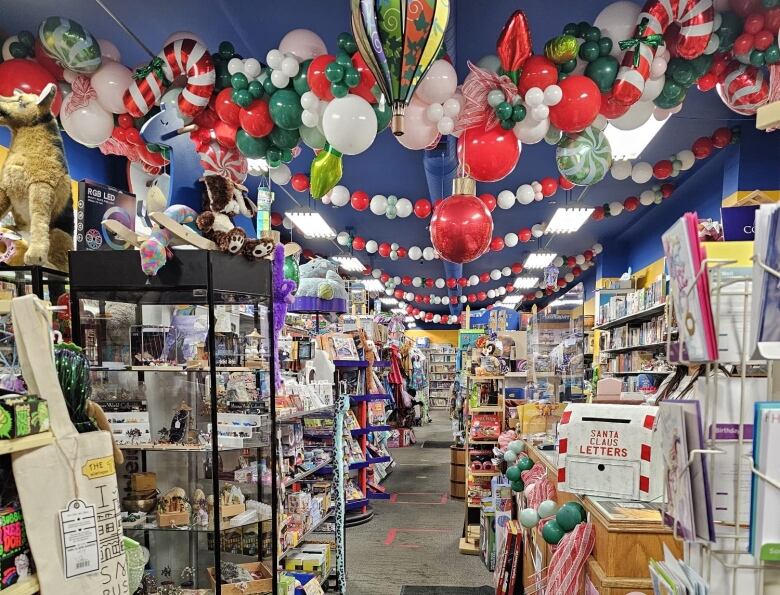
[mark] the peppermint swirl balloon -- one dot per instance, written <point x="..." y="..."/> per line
<point x="70" y="44"/>
<point x="584" y="158"/>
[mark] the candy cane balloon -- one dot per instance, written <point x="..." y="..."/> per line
<point x="695" y="18"/>
<point x="743" y="88"/>
<point x="181" y="57"/>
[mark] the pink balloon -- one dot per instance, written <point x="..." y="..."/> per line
<point x="110" y="82"/>
<point x="303" y="44"/>
<point x="109" y="50"/>
<point x="438" y="84"/>
<point x="419" y="133"/>
<point x="83" y="118"/>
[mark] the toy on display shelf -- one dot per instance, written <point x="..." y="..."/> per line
<point x="321" y="288"/>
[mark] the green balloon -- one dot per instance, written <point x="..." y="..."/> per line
<point x="589" y="51"/>
<point x="757" y="58"/>
<point x="772" y="54"/>
<point x="242" y="97"/>
<point x="286" y="110"/>
<point x="701" y="64"/>
<point x="300" y="80"/>
<point x="344" y="59"/>
<point x="730" y="29"/>
<point x="605" y="46"/>
<point x="384" y="114"/>
<point x="570" y="29"/>
<point x="507" y="124"/>
<point x="681" y="71"/>
<point x="334" y="72"/>
<point x="582" y="28"/>
<point x="268" y="86"/>
<point x="239" y="81"/>
<point x="287" y="156"/>
<point x="603" y="71"/>
<point x="26" y="38"/>
<point x="312" y="137"/>
<point x="513" y="473"/>
<point x="672" y="96"/>
<point x="568" y="517"/>
<point x="592" y="34"/>
<point x="580" y="508"/>
<point x="251" y="147"/>
<point x="226" y="50"/>
<point x="529" y="518"/>
<point x="517" y="486"/>
<point x="18" y="49"/>
<point x="351" y="77"/>
<point x="525" y="463"/>
<point x="569" y="66"/>
<point x="518" y="113"/>
<point x="223" y="81"/>
<point x="291" y="270"/>
<point x="255" y="88"/>
<point x="672" y="89"/>
<point x="274" y="156"/>
<point x="347" y="43"/>
<point x="504" y="110"/>
<point x="284" y="139"/>
<point x="339" y="90"/>
<point x="552" y="532"/>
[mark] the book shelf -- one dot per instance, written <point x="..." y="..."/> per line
<point x="441" y="371"/>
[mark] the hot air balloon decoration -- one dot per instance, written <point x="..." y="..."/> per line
<point x="399" y="40"/>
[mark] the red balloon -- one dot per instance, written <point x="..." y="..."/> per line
<point x="497" y="244"/>
<point x="721" y="137"/>
<point x="384" y="249"/>
<point x="490" y="307"/>
<point x="471" y="298"/>
<point x="548" y="291"/>
<point x="49" y="63"/>
<point x="524" y="235"/>
<point x="416" y="312"/>
<point x="227" y="111"/>
<point x="610" y="108"/>
<point x="707" y="82"/>
<point x="484" y="277"/>
<point x="406" y="280"/>
<point x="463" y="282"/>
<point x="743" y="44"/>
<point x="481" y="296"/>
<point x="358" y="243"/>
<point x="360" y="200"/>
<point x="517" y="268"/>
<point x="453" y="300"/>
<point x="133" y="137"/>
<point x="580" y="104"/>
<point x="384" y="277"/>
<point x="564" y="183"/>
<point x="276" y="219"/>
<point x="576" y="271"/>
<point x="488" y="155"/>
<point x="429" y="316"/>
<point x="561" y="282"/>
<point x="367" y="80"/>
<point x="402" y="252"/>
<point x="772" y="18"/>
<point x="300" y="182"/>
<point x="399" y="294"/>
<point x="409" y="309"/>
<point x="124" y="121"/>
<point x="598" y="213"/>
<point x="720" y="62"/>
<point x="489" y="200"/>
<point x="316" y="78"/>
<point x="429" y="282"/>
<point x="753" y="23"/>
<point x="662" y="169"/>
<point x="256" y="119"/>
<point x="702" y="147"/>
<point x="588" y="254"/>
<point x="118" y="133"/>
<point x="422" y="208"/>
<point x="666" y="190"/>
<point x="426" y="299"/>
<point x="206" y="119"/>
<point x="538" y="71"/>
<point x="367" y="270"/>
<point x="461" y="228"/>
<point x="226" y="134"/>
<point x="763" y="39"/>
<point x="451" y="282"/>
<point x="571" y="261"/>
<point x="29" y="77"/>
<point x="630" y="204"/>
<point x="509" y="287"/>
<point x="418" y="298"/>
<point x="549" y="186"/>
<point x="308" y="253"/>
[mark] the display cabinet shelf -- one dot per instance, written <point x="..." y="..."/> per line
<point x="650" y="312"/>
<point x="647" y="346"/>
<point x="303" y="475"/>
<point x="26" y="443"/>
<point x="308" y="533"/>
<point x="300" y="414"/>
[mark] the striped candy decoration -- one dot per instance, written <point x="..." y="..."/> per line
<point x="584" y="158"/>
<point x="695" y="18"/>
<point x="744" y="88"/>
<point x="224" y="162"/>
<point x="180" y="57"/>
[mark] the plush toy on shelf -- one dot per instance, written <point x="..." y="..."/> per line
<point x="321" y="288"/>
<point x="34" y="182"/>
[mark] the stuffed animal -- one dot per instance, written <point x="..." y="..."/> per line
<point x="490" y="363"/>
<point x="320" y="279"/>
<point x="13" y="247"/>
<point x="223" y="200"/>
<point x="34" y="182"/>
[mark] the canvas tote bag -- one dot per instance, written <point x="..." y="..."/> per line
<point x="68" y="489"/>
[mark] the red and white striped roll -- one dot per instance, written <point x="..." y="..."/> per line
<point x="181" y="57"/>
<point x="695" y="18"/>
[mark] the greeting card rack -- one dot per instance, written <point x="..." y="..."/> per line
<point x="726" y="564"/>
<point x="205" y="449"/>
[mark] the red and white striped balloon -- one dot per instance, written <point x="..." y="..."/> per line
<point x="695" y="18"/>
<point x="181" y="57"/>
<point x="743" y="88"/>
<point x="224" y="162"/>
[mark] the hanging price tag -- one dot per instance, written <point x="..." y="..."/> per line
<point x="313" y="588"/>
<point x="78" y="529"/>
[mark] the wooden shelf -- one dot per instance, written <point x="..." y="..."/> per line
<point x="655" y="345"/>
<point x="26" y="443"/>
<point x="487" y="409"/>
<point x="637" y="372"/>
<point x="27" y="587"/>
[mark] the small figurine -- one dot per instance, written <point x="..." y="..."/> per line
<point x="174" y="500"/>
<point x="200" y="504"/>
<point x="232" y="494"/>
<point x="163" y="435"/>
<point x="186" y="577"/>
<point x="210" y="508"/>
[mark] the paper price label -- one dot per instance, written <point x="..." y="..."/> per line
<point x="78" y="530"/>
<point x="313" y="588"/>
<point x="96" y="468"/>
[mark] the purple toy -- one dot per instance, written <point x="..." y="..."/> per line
<point x="283" y="297"/>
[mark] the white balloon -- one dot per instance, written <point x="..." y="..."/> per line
<point x="434" y="112"/>
<point x="553" y="95"/>
<point x="621" y="169"/>
<point x="653" y="88"/>
<point x="110" y="82"/>
<point x="495" y="274"/>
<point x="428" y="253"/>
<point x="409" y="296"/>
<point x="525" y="194"/>
<point x="658" y="67"/>
<point x="281" y="175"/>
<point x="279" y="79"/>
<point x="473" y="280"/>
<point x="416" y="281"/>
<point x="638" y="114"/>
<point x="506" y="271"/>
<point x="235" y="66"/>
<point x="505" y="199"/>
<point x="615" y="208"/>
<point x="439" y="283"/>
<point x="414" y="253"/>
<point x="393" y="255"/>
<point x="618" y="21"/>
<point x="445" y="125"/>
<point x="372" y="246"/>
<point x="641" y="172"/>
<point x="252" y="68"/>
<point x="580" y="259"/>
<point x="378" y="204"/>
<point x="540" y="112"/>
<point x="376" y="273"/>
<point x="511" y="240"/>
<point x="274" y="59"/>
<point x="404" y="208"/>
<point x="646" y="198"/>
<point x="439" y="83"/>
<point x="558" y="261"/>
<point x="568" y="277"/>
<point x="326" y="199"/>
<point x="687" y="159"/>
<point x="287" y="223"/>
<point x="310" y="101"/>
<point x="340" y="196"/>
<point x="463" y="299"/>
<point x="534" y="96"/>
<point x="530" y="131"/>
<point x="452" y="107"/>
<point x="290" y="66"/>
<point x="600" y="122"/>
<point x="491" y="293"/>
<point x="6" y="51"/>
<point x="538" y="294"/>
<point x="343" y="239"/>
<point x="437" y="318"/>
<point x="183" y="35"/>
<point x="303" y="44"/>
<point x="349" y="124"/>
<point x="598" y="248"/>
<point x="537" y="230"/>
<point x="501" y="290"/>
<point x="107" y="50"/>
<point x="89" y="124"/>
<point x="309" y="119"/>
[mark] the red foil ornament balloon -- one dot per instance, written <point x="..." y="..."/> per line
<point x="461" y="226"/>
<point x="422" y="208"/>
<point x="744" y="88"/>
<point x="360" y="200"/>
<point x="488" y="155"/>
<point x="514" y="44"/>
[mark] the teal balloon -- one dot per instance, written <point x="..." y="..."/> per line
<point x="287" y="155"/>
<point x="251" y="147"/>
<point x="334" y="72"/>
<point x="757" y="58"/>
<point x="339" y="90"/>
<point x="268" y="86"/>
<point x="547" y="509"/>
<point x="605" y="46"/>
<point x="568" y="517"/>
<point x="286" y="110"/>
<point x="344" y="59"/>
<point x="300" y="80"/>
<point x="351" y="78"/>
<point x="525" y="464"/>
<point x="284" y="139"/>
<point x="603" y="71"/>
<point x="504" y="110"/>
<point x="552" y="532"/>
<point x="589" y="51"/>
<point x="291" y="270"/>
<point x="510" y="457"/>
<point x="701" y="64"/>
<point x="347" y="43"/>
<point x="772" y="54"/>
<point x="592" y="34"/>
<point x="312" y="137"/>
<point x="255" y="88"/>
<point x="529" y="518"/>
<point x="569" y="66"/>
<point x="681" y="72"/>
<point x="241" y="97"/>
<point x="580" y="508"/>
<point x="513" y="473"/>
<point x="517" y="486"/>
<point x="517" y="446"/>
<point x="239" y="81"/>
<point x="671" y="96"/>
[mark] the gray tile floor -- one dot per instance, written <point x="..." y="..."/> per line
<point x="414" y="540"/>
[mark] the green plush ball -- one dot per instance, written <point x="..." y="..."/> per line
<point x="552" y="532"/>
<point x="568" y="517"/>
<point x="580" y="508"/>
<point x="529" y="518"/>
<point x="517" y="486"/>
<point x="525" y="464"/>
<point x="547" y="509"/>
<point x="513" y="473"/>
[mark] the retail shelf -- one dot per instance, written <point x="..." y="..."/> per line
<point x="483" y="441"/>
<point x="637" y="372"/>
<point x="355" y="504"/>
<point x="485" y="473"/>
<point x="26" y="443"/>
<point x="487" y="409"/>
<point x="184" y="448"/>
<point x="173" y="369"/>
<point x="370" y="461"/>
<point x="300" y="414"/>
<point x="369" y="429"/>
<point x="225" y="525"/>
<point x="25" y="587"/>
<point x="304" y="474"/>
<point x="370" y="397"/>
<point x="654" y="345"/>
<point x="636" y="316"/>
<point x="303" y="537"/>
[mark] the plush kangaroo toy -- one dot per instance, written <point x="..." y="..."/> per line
<point x="34" y="181"/>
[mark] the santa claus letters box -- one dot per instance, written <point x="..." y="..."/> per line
<point x="609" y="450"/>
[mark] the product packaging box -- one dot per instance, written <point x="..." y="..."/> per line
<point x="487" y="538"/>
<point x="538" y="417"/>
<point x="23" y="415"/>
<point x="98" y="203"/>
<point x="16" y="562"/>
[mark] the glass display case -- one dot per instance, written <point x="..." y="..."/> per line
<point x="182" y="366"/>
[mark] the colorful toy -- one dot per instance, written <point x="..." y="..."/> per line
<point x="155" y="251"/>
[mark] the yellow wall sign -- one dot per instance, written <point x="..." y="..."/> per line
<point x="96" y="468"/>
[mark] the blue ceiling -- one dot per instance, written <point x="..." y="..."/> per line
<point x="387" y="168"/>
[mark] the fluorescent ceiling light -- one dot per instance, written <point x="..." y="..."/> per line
<point x="311" y="224"/>
<point x="512" y="300"/>
<point x="539" y="260"/>
<point x="373" y="285"/>
<point x="409" y="319"/>
<point x="629" y="144"/>
<point x="349" y="263"/>
<point x="565" y="302"/>
<point x="568" y="220"/>
<point x="388" y="301"/>
<point x="526" y="282"/>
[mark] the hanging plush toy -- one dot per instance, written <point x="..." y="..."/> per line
<point x="283" y="297"/>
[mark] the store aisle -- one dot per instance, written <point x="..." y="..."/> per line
<point x="413" y="539"/>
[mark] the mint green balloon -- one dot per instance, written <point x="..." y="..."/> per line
<point x="517" y="446"/>
<point x="529" y="518"/>
<point x="547" y="509"/>
<point x="312" y="137"/>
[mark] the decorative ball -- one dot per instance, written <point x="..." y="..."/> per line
<point x="517" y="446"/>
<point x="547" y="509"/>
<point x="552" y="532"/>
<point x="513" y="473"/>
<point x="517" y="486"/>
<point x="529" y="518"/>
<point x="510" y="456"/>
<point x="525" y="463"/>
<point x="584" y="158"/>
<point x="568" y="517"/>
<point x="561" y="49"/>
<point x="580" y="508"/>
<point x="461" y="228"/>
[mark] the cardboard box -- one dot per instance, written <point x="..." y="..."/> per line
<point x="16" y="563"/>
<point x="230" y="510"/>
<point x="261" y="585"/>
<point x="538" y="417"/>
<point x="143" y="482"/>
<point x="23" y="415"/>
<point x="487" y="538"/>
<point x="98" y="202"/>
<point x="173" y="519"/>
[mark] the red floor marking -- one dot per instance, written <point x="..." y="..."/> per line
<point x="392" y="534"/>
<point x="393" y="498"/>
<point x="443" y="499"/>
